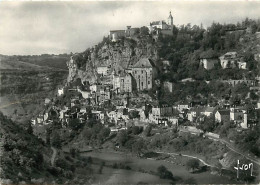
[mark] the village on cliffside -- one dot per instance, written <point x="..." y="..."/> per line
<point x="166" y="78"/>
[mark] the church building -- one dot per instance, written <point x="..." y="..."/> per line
<point x="144" y="72"/>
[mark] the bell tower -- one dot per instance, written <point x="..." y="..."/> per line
<point x="170" y="20"/>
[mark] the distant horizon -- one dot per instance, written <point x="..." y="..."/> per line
<point x="36" y="28"/>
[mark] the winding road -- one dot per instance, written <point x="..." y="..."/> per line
<point x="229" y="145"/>
<point x="54" y="153"/>
<point x="184" y="155"/>
<point x="232" y="148"/>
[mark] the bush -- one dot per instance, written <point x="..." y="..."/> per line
<point x="164" y="173"/>
<point x="62" y="164"/>
<point x="74" y="152"/>
<point x="56" y="140"/>
<point x="101" y="167"/>
<point x="122" y="137"/>
<point x="192" y="164"/>
<point x="137" y="130"/>
<point x="115" y="166"/>
<point x="54" y="171"/>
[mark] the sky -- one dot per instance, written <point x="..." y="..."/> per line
<point x="40" y="27"/>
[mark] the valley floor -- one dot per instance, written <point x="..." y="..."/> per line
<point x="147" y="168"/>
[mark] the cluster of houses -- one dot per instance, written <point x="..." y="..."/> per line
<point x="112" y="100"/>
<point x="228" y="60"/>
<point x="238" y="115"/>
<point x="120" y="110"/>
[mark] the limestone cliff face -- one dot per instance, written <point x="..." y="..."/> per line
<point x="119" y="55"/>
<point x="87" y="74"/>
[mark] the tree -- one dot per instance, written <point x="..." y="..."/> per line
<point x="164" y="173"/>
<point x="56" y="140"/>
<point x="75" y="124"/>
<point x="219" y="168"/>
<point x="147" y="131"/>
<point x="134" y="114"/>
<point x="208" y="125"/>
<point x="48" y="136"/>
<point x="101" y="167"/>
<point x="144" y="30"/>
<point x="136" y="130"/>
<point x="74" y="152"/>
<point x="29" y="128"/>
<point x="192" y="164"/>
<point x="104" y="133"/>
<point x="122" y="137"/>
<point x="138" y="146"/>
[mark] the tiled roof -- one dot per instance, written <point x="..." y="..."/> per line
<point x="157" y="23"/>
<point x="224" y="112"/>
<point x="197" y="109"/>
<point x="209" y="109"/>
<point x="117" y="31"/>
<point x="144" y="63"/>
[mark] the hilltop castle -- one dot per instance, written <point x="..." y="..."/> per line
<point x="162" y="26"/>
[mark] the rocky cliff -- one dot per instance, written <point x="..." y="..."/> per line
<point x="87" y="74"/>
<point x="118" y="55"/>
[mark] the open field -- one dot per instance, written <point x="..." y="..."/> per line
<point x="148" y="165"/>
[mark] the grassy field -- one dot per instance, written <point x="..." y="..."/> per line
<point x="122" y="176"/>
<point x="34" y="61"/>
<point x="177" y="167"/>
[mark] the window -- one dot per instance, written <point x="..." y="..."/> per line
<point x="142" y="84"/>
<point x="142" y="71"/>
<point x="148" y="82"/>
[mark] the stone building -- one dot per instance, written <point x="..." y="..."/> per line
<point x="115" y="35"/>
<point x="249" y="83"/>
<point x="257" y="57"/>
<point x="168" y="86"/>
<point x="208" y="63"/>
<point x="232" y="60"/>
<point x="165" y="27"/>
<point x="122" y="82"/>
<point x="222" y="116"/>
<point x="103" y="70"/>
<point x="103" y="94"/>
<point x="144" y="72"/>
<point x="129" y="32"/>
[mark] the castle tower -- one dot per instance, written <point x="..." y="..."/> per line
<point x="170" y="20"/>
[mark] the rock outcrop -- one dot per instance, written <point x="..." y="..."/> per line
<point x="117" y="56"/>
<point x="89" y="74"/>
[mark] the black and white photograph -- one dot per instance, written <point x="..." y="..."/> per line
<point x="129" y="92"/>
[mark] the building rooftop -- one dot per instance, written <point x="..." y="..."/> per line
<point x="209" y="109"/>
<point x="116" y="31"/>
<point x="224" y="112"/>
<point x="170" y="16"/>
<point x="144" y="63"/>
